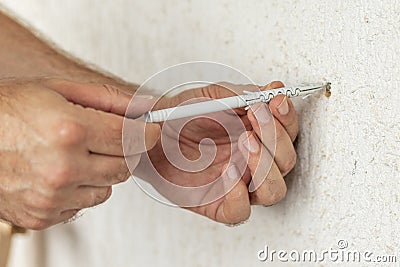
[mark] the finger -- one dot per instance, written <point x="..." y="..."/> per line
<point x="67" y="216"/>
<point x="105" y="134"/>
<point x="89" y="196"/>
<point x="236" y="205"/>
<point x="282" y="108"/>
<point x="272" y="190"/>
<point x="139" y="105"/>
<point x="214" y="91"/>
<point x="225" y="89"/>
<point x="273" y="85"/>
<point x="280" y="145"/>
<point x="234" y="89"/>
<point x="107" y="170"/>
<point x="143" y="137"/>
<point x="232" y="208"/>
<point x="101" y="97"/>
<point x="266" y="177"/>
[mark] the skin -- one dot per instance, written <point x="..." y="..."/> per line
<point x="234" y="207"/>
<point x="61" y="149"/>
<point x="60" y="155"/>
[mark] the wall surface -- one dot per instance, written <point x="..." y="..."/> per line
<point x="346" y="183"/>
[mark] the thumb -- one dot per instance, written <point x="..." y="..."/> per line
<point x="231" y="89"/>
<point x="97" y="96"/>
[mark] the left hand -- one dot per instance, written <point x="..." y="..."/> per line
<point x="234" y="207"/>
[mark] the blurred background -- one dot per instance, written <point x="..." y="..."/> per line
<point x="346" y="183"/>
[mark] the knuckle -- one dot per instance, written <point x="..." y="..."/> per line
<point x="59" y="175"/>
<point x="112" y="90"/>
<point x="68" y="132"/>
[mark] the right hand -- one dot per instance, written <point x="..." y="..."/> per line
<point x="61" y="148"/>
<point x="254" y="147"/>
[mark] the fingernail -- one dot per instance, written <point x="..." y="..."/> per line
<point x="261" y="113"/>
<point x="251" y="144"/>
<point x="145" y="96"/>
<point x="283" y="107"/>
<point x="232" y="172"/>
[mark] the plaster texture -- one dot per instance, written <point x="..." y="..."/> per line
<point x="346" y="183"/>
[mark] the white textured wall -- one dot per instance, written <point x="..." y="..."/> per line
<point x="346" y="183"/>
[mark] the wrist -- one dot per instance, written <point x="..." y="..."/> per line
<point x="25" y="56"/>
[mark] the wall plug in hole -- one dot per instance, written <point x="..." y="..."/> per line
<point x="328" y="92"/>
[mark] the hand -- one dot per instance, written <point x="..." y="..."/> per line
<point x="60" y="148"/>
<point x="234" y="207"/>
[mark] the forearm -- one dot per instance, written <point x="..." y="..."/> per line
<point x="23" y="55"/>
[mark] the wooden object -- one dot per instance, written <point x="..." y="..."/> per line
<point x="6" y="232"/>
